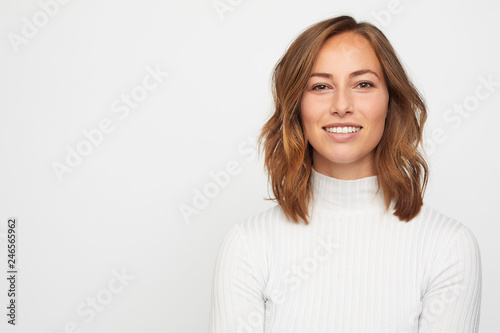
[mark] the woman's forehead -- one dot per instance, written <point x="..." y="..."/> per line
<point x="347" y="51"/>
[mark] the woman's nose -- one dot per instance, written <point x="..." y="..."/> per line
<point x="341" y="102"/>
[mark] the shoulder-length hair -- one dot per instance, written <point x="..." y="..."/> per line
<point x="402" y="171"/>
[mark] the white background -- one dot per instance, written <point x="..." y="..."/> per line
<point x="118" y="210"/>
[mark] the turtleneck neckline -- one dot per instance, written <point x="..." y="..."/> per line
<point x="344" y="196"/>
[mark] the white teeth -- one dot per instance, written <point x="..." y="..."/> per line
<point x="342" y="129"/>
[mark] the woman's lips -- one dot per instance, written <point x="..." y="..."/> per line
<point x="343" y="133"/>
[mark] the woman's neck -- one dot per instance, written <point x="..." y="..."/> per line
<point x="346" y="196"/>
<point x="362" y="168"/>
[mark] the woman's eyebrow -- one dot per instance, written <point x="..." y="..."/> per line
<point x="353" y="74"/>
<point x="325" y="75"/>
<point x="361" y="72"/>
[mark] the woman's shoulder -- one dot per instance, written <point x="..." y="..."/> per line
<point x="264" y="220"/>
<point x="453" y="253"/>
<point x="434" y="223"/>
<point x="267" y="224"/>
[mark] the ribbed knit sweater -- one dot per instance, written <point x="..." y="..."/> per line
<point x="354" y="268"/>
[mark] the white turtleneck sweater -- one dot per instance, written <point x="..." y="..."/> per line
<point x="354" y="268"/>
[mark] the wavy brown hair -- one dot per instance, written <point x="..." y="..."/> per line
<point x="401" y="169"/>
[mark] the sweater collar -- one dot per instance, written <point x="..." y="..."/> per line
<point x="337" y="195"/>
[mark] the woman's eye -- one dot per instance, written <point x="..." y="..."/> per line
<point x="320" y="87"/>
<point x="365" y="85"/>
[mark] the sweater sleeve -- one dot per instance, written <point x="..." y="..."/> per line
<point x="237" y="288"/>
<point x="452" y="301"/>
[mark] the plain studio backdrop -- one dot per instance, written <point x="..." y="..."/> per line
<point x="127" y="144"/>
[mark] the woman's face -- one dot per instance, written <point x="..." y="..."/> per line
<point x="344" y="106"/>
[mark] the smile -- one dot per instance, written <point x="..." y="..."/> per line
<point x="347" y="129"/>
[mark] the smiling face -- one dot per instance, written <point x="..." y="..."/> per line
<point x="344" y="106"/>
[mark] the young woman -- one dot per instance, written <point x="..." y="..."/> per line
<point x="350" y="247"/>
